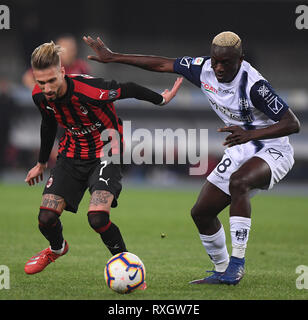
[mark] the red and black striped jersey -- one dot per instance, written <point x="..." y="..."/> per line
<point x="84" y="112"/>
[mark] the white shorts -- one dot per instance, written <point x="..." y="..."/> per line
<point x="278" y="157"/>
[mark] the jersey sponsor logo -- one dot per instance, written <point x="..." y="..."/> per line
<point x="197" y="61"/>
<point x="231" y="114"/>
<point x="209" y="88"/>
<point x="274" y="153"/>
<point x="77" y="131"/>
<point x="185" y="62"/>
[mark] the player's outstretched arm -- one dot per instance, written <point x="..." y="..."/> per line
<point x="133" y="90"/>
<point x="105" y="55"/>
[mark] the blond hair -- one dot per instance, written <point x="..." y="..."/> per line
<point x="46" y="55"/>
<point x="228" y="39"/>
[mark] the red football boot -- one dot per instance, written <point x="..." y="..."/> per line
<point x="40" y="261"/>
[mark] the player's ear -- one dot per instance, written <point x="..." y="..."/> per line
<point x="63" y="71"/>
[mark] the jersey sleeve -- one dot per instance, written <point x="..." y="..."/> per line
<point x="48" y="129"/>
<point x="48" y="136"/>
<point x="190" y="68"/>
<point x="133" y="90"/>
<point x="112" y="89"/>
<point x="265" y="99"/>
<point x="97" y="88"/>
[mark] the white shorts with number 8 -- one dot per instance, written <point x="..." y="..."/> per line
<point x="278" y="157"/>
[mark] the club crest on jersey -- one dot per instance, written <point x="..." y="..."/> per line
<point x="243" y="103"/>
<point x="263" y="91"/>
<point x="49" y="182"/>
<point x="83" y="109"/>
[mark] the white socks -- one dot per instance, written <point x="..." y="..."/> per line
<point x="60" y="251"/>
<point x="215" y="245"/>
<point x="239" y="228"/>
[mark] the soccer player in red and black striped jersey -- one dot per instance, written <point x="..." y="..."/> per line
<point x="84" y="107"/>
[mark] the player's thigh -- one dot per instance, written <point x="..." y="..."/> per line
<point x="210" y="202"/>
<point x="255" y="173"/>
<point x="105" y="186"/>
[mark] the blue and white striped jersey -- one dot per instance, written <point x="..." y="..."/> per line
<point x="248" y="101"/>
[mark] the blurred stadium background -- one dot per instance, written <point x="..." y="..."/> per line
<point x="169" y="28"/>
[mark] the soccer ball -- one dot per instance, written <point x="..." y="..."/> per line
<point x="124" y="272"/>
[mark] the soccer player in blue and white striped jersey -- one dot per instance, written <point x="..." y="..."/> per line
<point x="258" y="153"/>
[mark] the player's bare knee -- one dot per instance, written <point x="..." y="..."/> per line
<point x="199" y="215"/>
<point x="195" y="212"/>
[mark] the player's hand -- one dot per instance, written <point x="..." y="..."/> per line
<point x="36" y="174"/>
<point x="237" y="136"/>
<point x="169" y="95"/>
<point x="103" y="53"/>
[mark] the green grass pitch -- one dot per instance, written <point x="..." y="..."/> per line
<point x="277" y="245"/>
